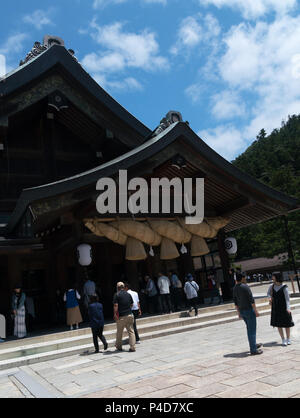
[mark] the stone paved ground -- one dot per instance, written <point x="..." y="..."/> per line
<point x="210" y="362"/>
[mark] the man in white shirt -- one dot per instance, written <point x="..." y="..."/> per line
<point x="191" y="289"/>
<point x="164" y="285"/>
<point x="136" y="309"/>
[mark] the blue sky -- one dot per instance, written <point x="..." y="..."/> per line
<point x="231" y="67"/>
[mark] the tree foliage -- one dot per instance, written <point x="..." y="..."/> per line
<point x="275" y="161"/>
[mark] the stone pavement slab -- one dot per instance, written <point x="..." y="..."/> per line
<point x="207" y="363"/>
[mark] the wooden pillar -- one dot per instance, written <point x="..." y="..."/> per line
<point x="132" y="274"/>
<point x="5" y="286"/>
<point x="154" y="264"/>
<point x="3" y="135"/>
<point x="51" y="283"/>
<point x="48" y="148"/>
<point x="14" y="271"/>
<point x="106" y="279"/>
<point x="226" y="286"/>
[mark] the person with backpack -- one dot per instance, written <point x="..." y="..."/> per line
<point x="95" y="312"/>
<point x="191" y="289"/>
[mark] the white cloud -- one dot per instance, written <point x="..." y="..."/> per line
<point x="13" y="44"/>
<point x="252" y="9"/>
<point x="262" y="60"/>
<point x="164" y="2"/>
<point x="100" y="4"/>
<point x="121" y="85"/>
<point x="226" y="140"/>
<point x="258" y="70"/>
<point x="227" y="105"/>
<point x="194" y="30"/>
<point x="124" y="50"/>
<point x="39" y="18"/>
<point x="111" y="62"/>
<point x="10" y="52"/>
<point x="194" y="92"/>
<point x="3" y="68"/>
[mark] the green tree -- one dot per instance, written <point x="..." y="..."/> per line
<point x="275" y="161"/>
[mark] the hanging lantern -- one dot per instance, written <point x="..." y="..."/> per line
<point x="151" y="252"/>
<point x="231" y="245"/>
<point x="84" y="254"/>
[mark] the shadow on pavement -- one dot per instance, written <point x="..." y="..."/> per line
<point x="237" y="355"/>
<point x="272" y="344"/>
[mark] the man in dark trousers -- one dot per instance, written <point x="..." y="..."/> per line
<point x="123" y="316"/>
<point x="95" y="312"/>
<point x="246" y="308"/>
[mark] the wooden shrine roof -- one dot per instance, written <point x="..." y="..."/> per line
<point x="57" y="60"/>
<point x="228" y="190"/>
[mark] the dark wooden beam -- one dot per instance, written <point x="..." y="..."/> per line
<point x="233" y="206"/>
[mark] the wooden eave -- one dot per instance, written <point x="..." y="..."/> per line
<point x="57" y="60"/>
<point x="228" y="191"/>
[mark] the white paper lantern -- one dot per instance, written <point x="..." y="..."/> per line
<point x="231" y="245"/>
<point x="84" y="254"/>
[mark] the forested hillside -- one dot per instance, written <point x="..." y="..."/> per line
<point x="275" y="161"/>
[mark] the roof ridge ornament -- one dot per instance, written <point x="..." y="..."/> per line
<point x="39" y="48"/>
<point x="171" y="117"/>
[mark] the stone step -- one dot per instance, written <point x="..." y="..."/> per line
<point x="111" y="326"/>
<point x="72" y="343"/>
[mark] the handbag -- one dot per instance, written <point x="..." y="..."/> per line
<point x="292" y="322"/>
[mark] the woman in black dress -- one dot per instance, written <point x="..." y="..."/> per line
<point x="281" y="316"/>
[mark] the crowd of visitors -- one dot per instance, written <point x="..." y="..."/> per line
<point x="164" y="294"/>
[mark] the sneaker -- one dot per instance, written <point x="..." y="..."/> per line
<point x="71" y="328"/>
<point x="284" y="342"/>
<point x="105" y="347"/>
<point x="259" y="345"/>
<point x="131" y="350"/>
<point x="257" y="352"/>
<point x="138" y="342"/>
<point x="289" y="342"/>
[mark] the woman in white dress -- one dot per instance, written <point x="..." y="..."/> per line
<point x="18" y="311"/>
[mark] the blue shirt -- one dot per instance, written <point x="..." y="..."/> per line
<point x="96" y="316"/>
<point x="71" y="297"/>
